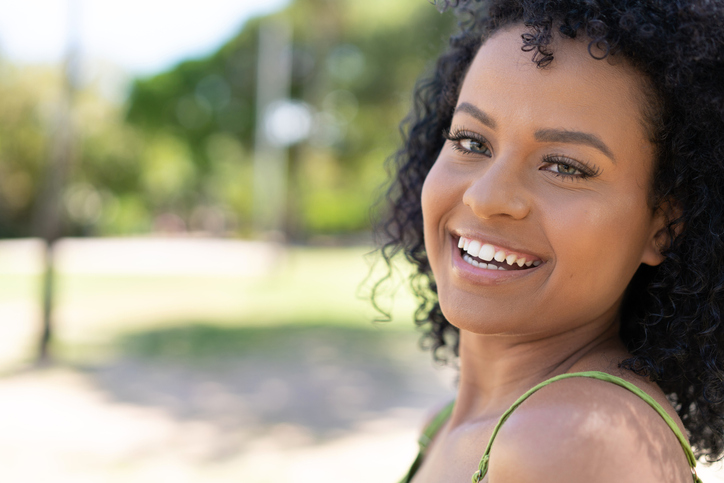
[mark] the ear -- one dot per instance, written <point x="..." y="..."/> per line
<point x="660" y="238"/>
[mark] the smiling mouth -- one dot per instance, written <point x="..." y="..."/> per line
<point x="484" y="255"/>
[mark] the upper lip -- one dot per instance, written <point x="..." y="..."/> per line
<point x="497" y="242"/>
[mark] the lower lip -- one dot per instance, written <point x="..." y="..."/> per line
<point x="484" y="276"/>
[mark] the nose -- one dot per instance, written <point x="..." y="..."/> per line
<point x="498" y="191"/>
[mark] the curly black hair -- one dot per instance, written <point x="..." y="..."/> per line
<point x="672" y="314"/>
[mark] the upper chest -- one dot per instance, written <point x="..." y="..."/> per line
<point x="455" y="454"/>
<point x="582" y="418"/>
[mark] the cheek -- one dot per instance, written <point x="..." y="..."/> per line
<point x="599" y="246"/>
<point x="438" y="198"/>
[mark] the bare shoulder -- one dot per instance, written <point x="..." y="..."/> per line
<point x="582" y="429"/>
<point x="435" y="420"/>
<point x="433" y="412"/>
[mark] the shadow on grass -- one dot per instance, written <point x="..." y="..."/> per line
<point x="249" y="380"/>
<point x="195" y="343"/>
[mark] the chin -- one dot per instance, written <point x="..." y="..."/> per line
<point x="485" y="318"/>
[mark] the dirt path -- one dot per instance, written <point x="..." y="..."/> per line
<point x="320" y="419"/>
<point x="316" y="411"/>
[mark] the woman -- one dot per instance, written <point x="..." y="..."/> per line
<point x="560" y="194"/>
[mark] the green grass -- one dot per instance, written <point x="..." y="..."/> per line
<point x="312" y="289"/>
<point x="198" y="342"/>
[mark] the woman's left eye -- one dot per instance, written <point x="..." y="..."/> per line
<point x="567" y="168"/>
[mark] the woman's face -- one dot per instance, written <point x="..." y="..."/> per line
<point x="549" y="165"/>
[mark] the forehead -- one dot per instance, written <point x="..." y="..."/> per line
<point x="575" y="91"/>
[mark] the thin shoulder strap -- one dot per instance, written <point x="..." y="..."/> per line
<point x="483" y="467"/>
<point x="432" y="428"/>
<point x="435" y="425"/>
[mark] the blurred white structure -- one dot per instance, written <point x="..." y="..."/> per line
<point x="287" y="122"/>
<point x="275" y="129"/>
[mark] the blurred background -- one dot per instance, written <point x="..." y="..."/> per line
<point x="185" y="200"/>
<point x="186" y="258"/>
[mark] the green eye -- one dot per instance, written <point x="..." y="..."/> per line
<point x="566" y="168"/>
<point x="569" y="169"/>
<point x="474" y="146"/>
<point x="468" y="143"/>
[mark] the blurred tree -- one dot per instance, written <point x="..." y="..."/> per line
<point x="177" y="154"/>
<point x="353" y="62"/>
<point x="108" y="154"/>
<point x="27" y="99"/>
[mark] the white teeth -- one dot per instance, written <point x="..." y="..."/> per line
<point x="474" y="248"/>
<point x="487" y="252"/>
<point x="470" y="260"/>
<point x="475" y="263"/>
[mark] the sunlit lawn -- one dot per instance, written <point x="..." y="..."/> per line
<point x="215" y="378"/>
<point x="209" y="377"/>
<point x="309" y="287"/>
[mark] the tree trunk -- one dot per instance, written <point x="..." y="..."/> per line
<point x="48" y="217"/>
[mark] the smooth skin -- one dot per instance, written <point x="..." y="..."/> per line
<point x="556" y="163"/>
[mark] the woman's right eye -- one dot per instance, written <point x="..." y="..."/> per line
<point x="474" y="146"/>
<point x="468" y="143"/>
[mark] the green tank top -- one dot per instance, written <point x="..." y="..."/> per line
<point x="441" y="418"/>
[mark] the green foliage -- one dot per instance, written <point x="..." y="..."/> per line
<point x="25" y="116"/>
<point x="353" y="62"/>
<point x="181" y="147"/>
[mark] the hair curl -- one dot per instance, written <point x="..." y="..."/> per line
<point x="672" y="313"/>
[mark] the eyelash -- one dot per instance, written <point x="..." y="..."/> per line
<point x="586" y="171"/>
<point x="456" y="135"/>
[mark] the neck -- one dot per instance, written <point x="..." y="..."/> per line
<point x="495" y="370"/>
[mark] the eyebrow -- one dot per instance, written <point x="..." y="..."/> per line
<point x="544" y="135"/>
<point x="574" y="137"/>
<point x="476" y="113"/>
